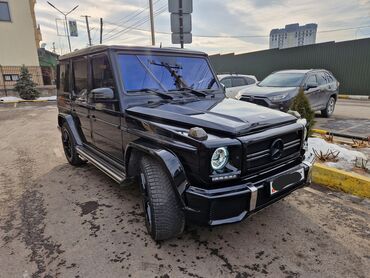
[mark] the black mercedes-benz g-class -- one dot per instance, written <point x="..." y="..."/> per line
<point x="160" y="115"/>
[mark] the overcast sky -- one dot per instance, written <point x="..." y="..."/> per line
<point x="254" y="18"/>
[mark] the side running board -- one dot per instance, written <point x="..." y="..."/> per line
<point x="102" y="165"/>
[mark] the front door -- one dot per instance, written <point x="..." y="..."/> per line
<point x="105" y="114"/>
<point x="81" y="107"/>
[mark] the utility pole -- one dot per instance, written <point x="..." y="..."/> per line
<point x="66" y="21"/>
<point x="88" y="28"/>
<point x="101" y="31"/>
<point x="151" y="21"/>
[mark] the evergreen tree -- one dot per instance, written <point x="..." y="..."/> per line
<point x="25" y="86"/>
<point x="303" y="107"/>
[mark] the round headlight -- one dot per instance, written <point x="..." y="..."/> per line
<point x="220" y="158"/>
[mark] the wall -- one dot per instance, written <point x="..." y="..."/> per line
<point x="349" y="61"/>
<point x="18" y="42"/>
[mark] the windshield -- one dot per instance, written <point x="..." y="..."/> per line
<point x="165" y="73"/>
<point x="282" y="80"/>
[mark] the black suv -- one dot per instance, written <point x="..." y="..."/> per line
<point x="280" y="88"/>
<point x="160" y="116"/>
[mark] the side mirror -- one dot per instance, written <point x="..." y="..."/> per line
<point x="99" y="94"/>
<point x="311" y="85"/>
<point x="223" y="87"/>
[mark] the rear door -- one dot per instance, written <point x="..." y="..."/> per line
<point x="81" y="107"/>
<point x="105" y="115"/>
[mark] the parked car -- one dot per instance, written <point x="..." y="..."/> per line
<point x="235" y="82"/>
<point x="279" y="89"/>
<point x="160" y="116"/>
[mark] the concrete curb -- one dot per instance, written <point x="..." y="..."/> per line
<point x="354" y="97"/>
<point x="348" y="182"/>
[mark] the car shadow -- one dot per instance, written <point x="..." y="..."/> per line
<point x="96" y="222"/>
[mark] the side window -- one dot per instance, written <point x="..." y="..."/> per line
<point x="250" y="80"/>
<point x="102" y="77"/>
<point x="227" y="82"/>
<point x="239" y="81"/>
<point x="311" y="79"/>
<point x="64" y="77"/>
<point x="80" y="83"/>
<point x="321" y="79"/>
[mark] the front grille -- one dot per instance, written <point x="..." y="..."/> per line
<point x="258" y="101"/>
<point x="258" y="154"/>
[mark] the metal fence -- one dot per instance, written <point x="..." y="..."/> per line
<point x="349" y="61"/>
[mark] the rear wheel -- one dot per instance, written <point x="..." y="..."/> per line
<point x="69" y="147"/>
<point x="164" y="216"/>
<point x="330" y="106"/>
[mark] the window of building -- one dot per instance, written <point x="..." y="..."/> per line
<point x="11" y="77"/>
<point x="4" y="11"/>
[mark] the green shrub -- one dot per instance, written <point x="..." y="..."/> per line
<point x="25" y="86"/>
<point x="303" y="107"/>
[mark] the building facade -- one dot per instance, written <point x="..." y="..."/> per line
<point x="20" y="39"/>
<point x="293" y="35"/>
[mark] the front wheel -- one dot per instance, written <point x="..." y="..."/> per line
<point x="329" y="109"/>
<point x="164" y="216"/>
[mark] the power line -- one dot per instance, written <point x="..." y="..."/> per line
<point x="129" y="18"/>
<point x="136" y="24"/>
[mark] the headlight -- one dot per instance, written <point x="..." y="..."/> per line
<point x="304" y="123"/>
<point x="278" y="97"/>
<point x="220" y="158"/>
<point x="238" y="95"/>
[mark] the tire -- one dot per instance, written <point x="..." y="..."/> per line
<point x="329" y="109"/>
<point x="69" y="147"/>
<point x="164" y="217"/>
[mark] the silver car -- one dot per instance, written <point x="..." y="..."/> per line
<point x="235" y="82"/>
<point x="278" y="90"/>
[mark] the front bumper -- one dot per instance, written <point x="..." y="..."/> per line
<point x="233" y="204"/>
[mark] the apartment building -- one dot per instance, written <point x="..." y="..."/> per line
<point x="293" y="35"/>
<point x="20" y="38"/>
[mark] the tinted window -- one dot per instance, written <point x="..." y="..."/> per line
<point x="102" y="75"/>
<point x="64" y="77"/>
<point x="4" y="11"/>
<point x="80" y="77"/>
<point x="282" y="79"/>
<point x="239" y="81"/>
<point x="250" y="80"/>
<point x="321" y="78"/>
<point x="227" y="82"/>
<point x="166" y="73"/>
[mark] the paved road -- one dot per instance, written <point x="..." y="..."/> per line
<point x="350" y="117"/>
<point x="61" y="221"/>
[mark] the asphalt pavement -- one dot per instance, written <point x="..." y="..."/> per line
<point x="60" y="221"/>
<point x="350" y="117"/>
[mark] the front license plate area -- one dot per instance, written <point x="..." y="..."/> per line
<point x="286" y="180"/>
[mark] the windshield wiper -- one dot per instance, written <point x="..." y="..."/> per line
<point x="193" y="91"/>
<point x="153" y="91"/>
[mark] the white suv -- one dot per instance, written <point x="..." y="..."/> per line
<point x="236" y="82"/>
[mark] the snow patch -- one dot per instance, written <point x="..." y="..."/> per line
<point x="346" y="157"/>
<point x="17" y="99"/>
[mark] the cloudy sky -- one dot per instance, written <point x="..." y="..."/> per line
<point x="214" y="21"/>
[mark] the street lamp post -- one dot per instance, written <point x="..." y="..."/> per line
<point x="66" y="22"/>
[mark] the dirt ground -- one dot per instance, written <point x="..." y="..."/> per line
<point x="61" y="221"/>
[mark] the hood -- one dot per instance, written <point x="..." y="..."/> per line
<point x="256" y="90"/>
<point x="226" y="116"/>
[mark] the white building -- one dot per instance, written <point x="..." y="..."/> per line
<point x="293" y="35"/>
